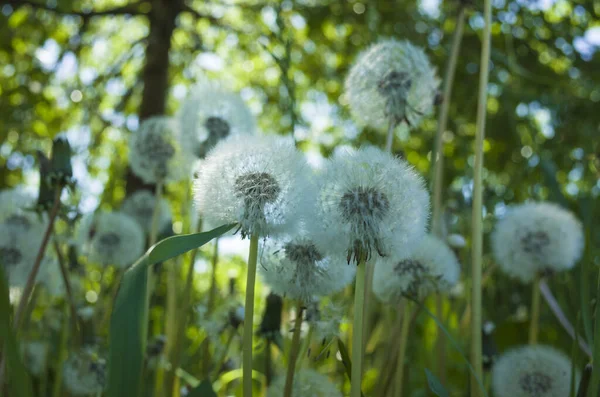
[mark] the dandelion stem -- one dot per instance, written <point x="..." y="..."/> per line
<point x="535" y="311"/>
<point x="389" y="142"/>
<point x="294" y="348"/>
<point x="357" y="331"/>
<point x="38" y="261"/>
<point x="404" y="331"/>
<point x="477" y="221"/>
<point x="595" y="381"/>
<point x="69" y="293"/>
<point x="249" y="317"/>
<point x="211" y="302"/>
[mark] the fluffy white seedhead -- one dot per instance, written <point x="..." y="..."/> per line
<point x="537" y="238"/>
<point x="431" y="267"/>
<point x="258" y="182"/>
<point x="391" y="81"/>
<point x="84" y="374"/>
<point x="307" y="383"/>
<point x="18" y="249"/>
<point x="294" y="267"/>
<point x="155" y="152"/>
<point x="140" y="206"/>
<point x="211" y="114"/>
<point x="110" y="238"/>
<point x="325" y="318"/>
<point x="35" y="355"/>
<point x="368" y="202"/>
<point x="532" y="371"/>
<point x="16" y="210"/>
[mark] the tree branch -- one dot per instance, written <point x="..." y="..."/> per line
<point x="128" y="9"/>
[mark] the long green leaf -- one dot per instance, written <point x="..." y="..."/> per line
<point x="18" y="379"/>
<point x="435" y="385"/>
<point x="129" y="319"/>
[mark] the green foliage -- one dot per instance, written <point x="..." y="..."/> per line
<point x="435" y="385"/>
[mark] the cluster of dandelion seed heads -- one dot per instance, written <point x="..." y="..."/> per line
<point x="140" y="206"/>
<point x="391" y="81"/>
<point x="537" y="238"/>
<point x="155" y="153"/>
<point x="84" y="374"/>
<point x="211" y="114"/>
<point x="111" y="238"/>
<point x="368" y="202"/>
<point x="431" y="267"/>
<point x="532" y="371"/>
<point x="307" y="383"/>
<point x="260" y="183"/>
<point x="294" y="267"/>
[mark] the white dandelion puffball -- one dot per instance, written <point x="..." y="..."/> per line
<point x="211" y="114"/>
<point x="18" y="250"/>
<point x="140" y="206"/>
<point x="307" y="383"/>
<point x="111" y="238"/>
<point x="16" y="209"/>
<point x="155" y="153"/>
<point x="532" y="371"/>
<point x="84" y="374"/>
<point x="293" y="267"/>
<point x="259" y="182"/>
<point x="368" y="202"/>
<point x="391" y="82"/>
<point x="35" y="355"/>
<point x="537" y="238"/>
<point x="326" y="318"/>
<point x="431" y="267"/>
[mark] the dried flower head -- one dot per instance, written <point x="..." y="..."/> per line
<point x="368" y="202"/>
<point x="307" y="383"/>
<point x="140" y="206"/>
<point x="84" y="374"/>
<point x="111" y="238"/>
<point x="258" y="182"/>
<point x="155" y="153"/>
<point x="294" y="267"/>
<point x="532" y="371"/>
<point x="537" y="238"/>
<point x="211" y="114"/>
<point x="391" y="82"/>
<point x="431" y="267"/>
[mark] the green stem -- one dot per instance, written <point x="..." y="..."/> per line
<point x="268" y="375"/>
<point x="477" y="221"/>
<point x="389" y="142"/>
<point x="210" y="304"/>
<point x="595" y="382"/>
<point x="294" y="348"/>
<point x="77" y="327"/>
<point x="535" y="311"/>
<point x="357" y="331"/>
<point x="221" y="360"/>
<point x="249" y="317"/>
<point x="404" y="331"/>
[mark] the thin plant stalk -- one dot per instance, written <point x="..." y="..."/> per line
<point x="438" y="177"/>
<point x="594" y="386"/>
<point x="268" y="372"/>
<point x="477" y="218"/>
<point x="294" y="348"/>
<point x="211" y="302"/>
<point x="404" y="331"/>
<point x="38" y="261"/>
<point x="534" y="324"/>
<point x="389" y="142"/>
<point x="249" y="317"/>
<point x="69" y="293"/>
<point x="357" y="331"/>
<point x="223" y="357"/>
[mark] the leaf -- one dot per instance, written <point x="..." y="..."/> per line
<point x="129" y="319"/>
<point x="17" y="376"/>
<point x="435" y="385"/>
<point x="204" y="389"/>
<point x="346" y="360"/>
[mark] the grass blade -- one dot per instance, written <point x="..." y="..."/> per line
<point x="435" y="385"/>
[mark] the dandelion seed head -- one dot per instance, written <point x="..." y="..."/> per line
<point x="110" y="238"/>
<point x="532" y="371"/>
<point x="18" y="249"/>
<point x="16" y="210"/>
<point x="537" y="238"/>
<point x="155" y="152"/>
<point x="391" y="80"/>
<point x="211" y="114"/>
<point x="294" y="267"/>
<point x="325" y="317"/>
<point x="84" y="373"/>
<point x="368" y="202"/>
<point x="307" y="383"/>
<point x="140" y="206"/>
<point x="258" y="182"/>
<point x="431" y="267"/>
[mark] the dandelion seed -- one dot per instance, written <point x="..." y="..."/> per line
<point x="392" y="81"/>
<point x="84" y="374"/>
<point x="431" y="267"/>
<point x="307" y="383"/>
<point x="110" y="238"/>
<point x="140" y="206"/>
<point x="368" y="202"/>
<point x="537" y="238"/>
<point x="155" y="153"/>
<point x="211" y="114"/>
<point x="258" y="182"/>
<point x="532" y="371"/>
